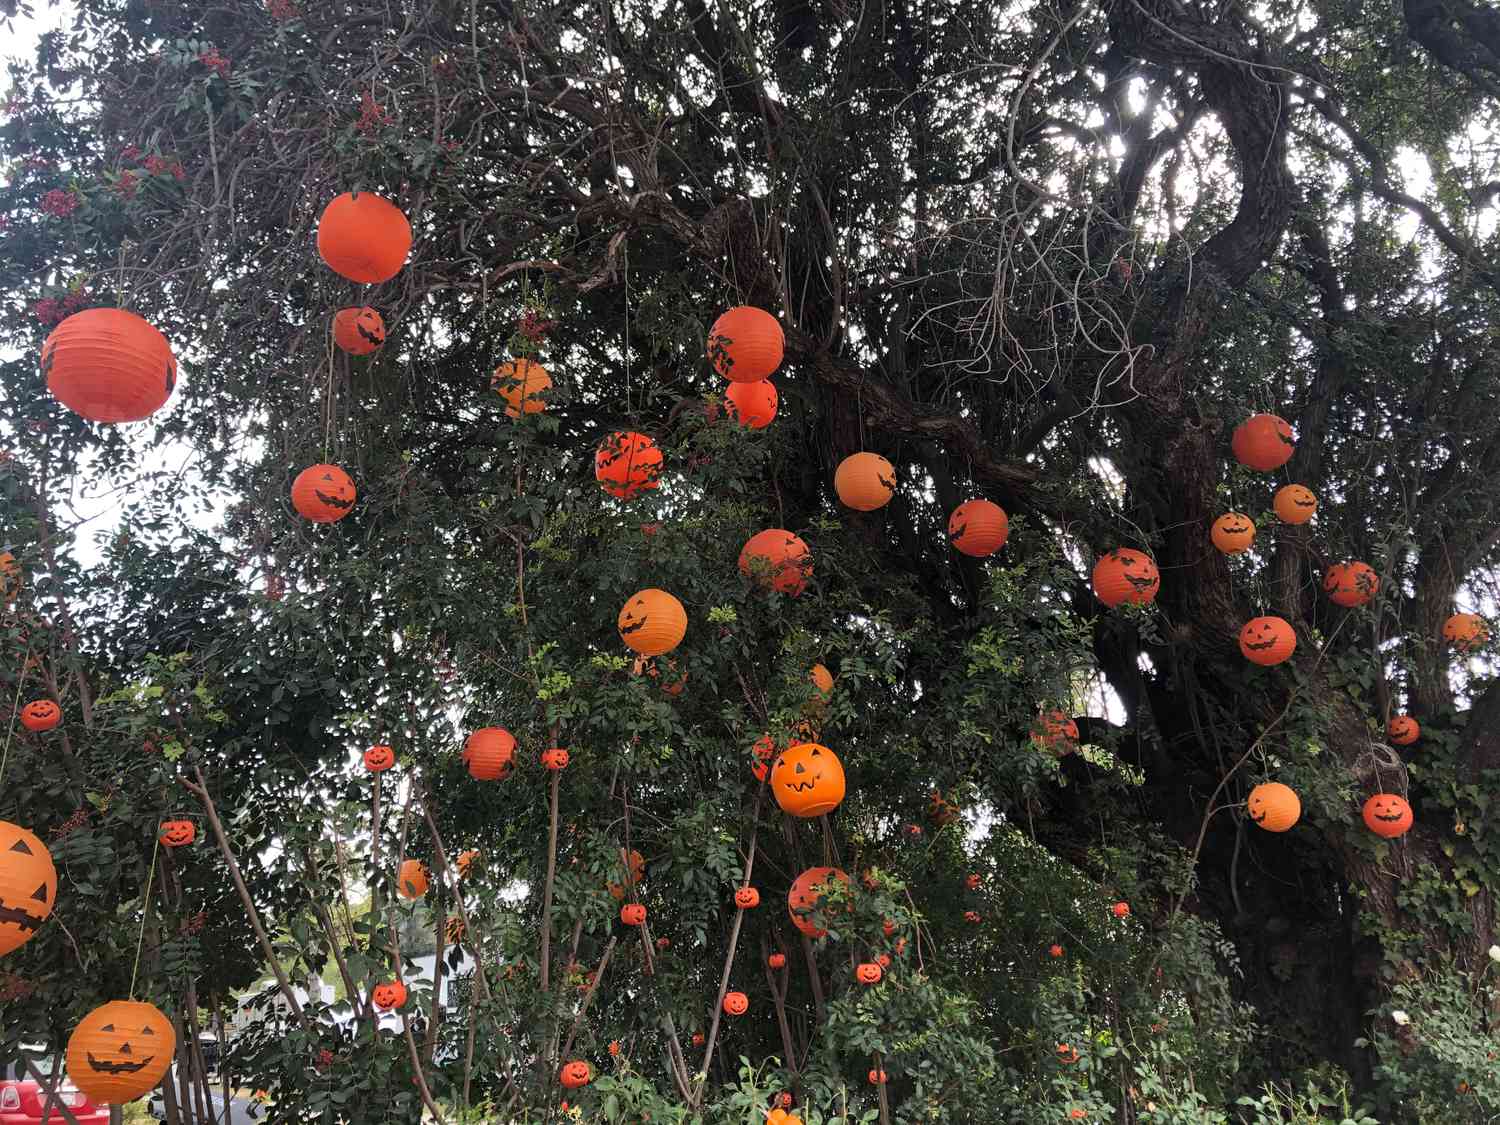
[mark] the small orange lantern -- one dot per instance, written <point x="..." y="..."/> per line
<point x="1403" y="730"/>
<point x="1273" y="806"/>
<point x="323" y="493"/>
<point x="1350" y="584"/>
<point x="490" y="752"/>
<point x="40" y="715"/>
<point x="627" y="463"/>
<point x="521" y="382"/>
<point x="1233" y="533"/>
<point x="807" y="780"/>
<point x="1388" y="815"/>
<point x="575" y="1074"/>
<point x="652" y="622"/>
<point x="747" y="898"/>
<point x="633" y="914"/>
<point x="803" y="897"/>
<point x="177" y="833"/>
<point x="736" y="1003"/>
<point x="1124" y="575"/>
<point x="865" y="481"/>
<point x="411" y="880"/>
<point x="28" y="886"/>
<point x="751" y="404"/>
<point x="1267" y="640"/>
<point x="779" y="559"/>
<point x="1466" y="631"/>
<point x="120" y="1050"/>
<point x="109" y="365"/>
<point x="1263" y="442"/>
<point x="978" y="528"/>
<point x="1294" y="504"/>
<point x="378" y="759"/>
<point x="364" y="238"/>
<point x="746" y="344"/>
<point x="358" y="330"/>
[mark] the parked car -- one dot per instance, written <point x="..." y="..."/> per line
<point x="242" y="1111"/>
<point x="21" y="1104"/>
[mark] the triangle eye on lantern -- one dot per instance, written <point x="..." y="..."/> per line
<point x="20" y="846"/>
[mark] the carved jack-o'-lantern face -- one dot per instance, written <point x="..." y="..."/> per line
<point x="1294" y="503"/>
<point x="652" y="623"/>
<point x="868" y="972"/>
<point x="28" y="886"/>
<point x="120" y="1050"/>
<point x="746" y="898"/>
<point x="323" y="493"/>
<point x="736" y="1003"/>
<point x="575" y="1074"/>
<point x="1273" y="806"/>
<point x="633" y="914"/>
<point x="1267" y="640"/>
<point x="1403" y="730"/>
<point x="1388" y="815"/>
<point x="1233" y="533"/>
<point x="1124" y="576"/>
<point x="378" y="759"/>
<point x="358" y="330"/>
<point x="40" y="715"/>
<point x="555" y="759"/>
<point x="808" y="779"/>
<point x="389" y="996"/>
<point x="177" y="833"/>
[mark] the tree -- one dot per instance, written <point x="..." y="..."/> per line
<point x="1046" y="255"/>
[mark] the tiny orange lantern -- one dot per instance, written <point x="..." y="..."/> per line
<point x="807" y="780"/>
<point x="1124" y="575"/>
<point x="822" y="679"/>
<point x="575" y="1074"/>
<point x="751" y="404"/>
<point x="777" y="960"/>
<point x="555" y="759"/>
<point x="867" y="972"/>
<point x="1273" y="806"/>
<point x="1120" y="910"/>
<point x="746" y="344"/>
<point x="978" y="528"/>
<point x="973" y="917"/>
<point x="1263" y="442"/>
<point x="1054" y="951"/>
<point x="364" y="238"/>
<point x="652" y="622"/>
<point x="1055" y="731"/>
<point x="627" y="463"/>
<point x="40" y="715"/>
<point x="877" y="1078"/>
<point x="1267" y="640"/>
<point x="736" y="1003"/>
<point x="28" y="886"/>
<point x="411" y="881"/>
<point x="1466" y="631"/>
<point x="1233" y="533"/>
<point x="358" y="330"/>
<point x="1350" y="584"/>
<point x="865" y="481"/>
<point x="323" y="493"/>
<point x="803" y="897"/>
<point x="489" y="752"/>
<point x="177" y="833"/>
<point x="747" y="898"/>
<point x="1294" y="503"/>
<point x="1388" y="815"/>
<point x="109" y="365"/>
<point x="521" y="383"/>
<point x="1403" y="730"/>
<point x="633" y="914"/>
<point x="378" y="759"/>
<point x="778" y="559"/>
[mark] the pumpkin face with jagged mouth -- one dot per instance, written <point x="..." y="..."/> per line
<point x="1387" y="815"/>
<point x="1233" y="533"/>
<point x="28" y="886"/>
<point x="323" y="493"/>
<point x="808" y="779"/>
<point x="40" y="715"/>
<point x="1267" y="640"/>
<point x="120" y="1050"/>
<point x="1123" y="576"/>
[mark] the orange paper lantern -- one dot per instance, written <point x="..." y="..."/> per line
<point x="364" y="237"/>
<point x="120" y="1050"/>
<point x="751" y="404"/>
<point x="652" y="622"/>
<point x="1350" y="584"/>
<point x="746" y="344"/>
<point x="1294" y="503"/>
<point x="807" y="780"/>
<point x="804" y="894"/>
<point x="865" y="481"/>
<point x="1466" y="631"/>
<point x="40" y="715"/>
<point x="1124" y="576"/>
<point x="490" y="752"/>
<point x="1403" y="730"/>
<point x="28" y="886"/>
<point x="1388" y="815"/>
<point x="520" y="382"/>
<point x="358" y="330"/>
<point x="1273" y="806"/>
<point x="109" y="365"/>
<point x="978" y="528"/>
<point x="389" y="996"/>
<point x="1232" y="533"/>
<point x="779" y="559"/>
<point x="1263" y="442"/>
<point x="411" y="880"/>
<point x="1267" y="640"/>
<point x="627" y="463"/>
<point x="323" y="493"/>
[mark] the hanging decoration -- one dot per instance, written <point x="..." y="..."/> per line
<point x="411" y="881"/>
<point x="736" y="1003"/>
<point x="1388" y="815"/>
<point x="1273" y="806"/>
<point x="1403" y="730"/>
<point x="378" y="759"/>
<point x="751" y="404"/>
<point x="109" y="365"/>
<point x="627" y="463"/>
<point x="1466" y="631"/>
<point x="1263" y="442"/>
<point x="364" y="238"/>
<point x="521" y="383"/>
<point x="807" y="780"/>
<point x="389" y="996"/>
<point x="177" y="833"/>
<point x="1124" y="575"/>
<point x="652" y="622"/>
<point x="805" y="892"/>
<point x="120" y="1050"/>
<point x="778" y="559"/>
<point x="40" y="715"/>
<point x="746" y="344"/>
<point x="28" y="886"/>
<point x="1233" y="533"/>
<point x="978" y="528"/>
<point x="323" y="493"/>
<point x="358" y="330"/>
<point x="865" y="481"/>
<point x="1267" y="640"/>
<point x="490" y="753"/>
<point x="1294" y="504"/>
<point x="575" y="1074"/>
<point x="1350" y="584"/>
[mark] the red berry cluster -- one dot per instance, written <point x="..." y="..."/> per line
<point x="372" y="116"/>
<point x="533" y="327"/>
<point x="60" y="203"/>
<point x="79" y="818"/>
<point x="130" y="152"/>
<point x="161" y="166"/>
<point x="128" y="184"/>
<point x="51" y="310"/>
<point x="215" y="62"/>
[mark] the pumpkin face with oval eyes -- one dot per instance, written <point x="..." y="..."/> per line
<point x="1267" y="640"/>
<point x="1388" y="815"/>
<point x="1233" y="533"/>
<point x="575" y="1074"/>
<point x="868" y="973"/>
<point x="1273" y="806"/>
<point x="28" y="886"/>
<point x="1403" y="730"/>
<point x="323" y="493"/>
<point x="378" y="759"/>
<point x="40" y="715"/>
<point x="389" y="996"/>
<point x="807" y="779"/>
<point x="1294" y="503"/>
<point x="736" y="1003"/>
<point x="177" y="833"/>
<point x="1124" y="576"/>
<point x="120" y="1050"/>
<point x="747" y="898"/>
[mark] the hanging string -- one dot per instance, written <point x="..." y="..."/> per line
<point x="145" y="911"/>
<point x="14" y="703"/>
<point x="328" y="398"/>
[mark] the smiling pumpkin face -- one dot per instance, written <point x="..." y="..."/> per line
<point x="1267" y="640"/>
<point x="378" y="759"/>
<point x="1294" y="504"/>
<point x="358" y="330"/>
<point x="389" y="996"/>
<point x="652" y="622"/>
<point x="1273" y="806"/>
<point x="40" y="715"/>
<point x="1232" y="533"/>
<point x="1388" y="815"/>
<point x="120" y="1050"/>
<point x="1124" y="575"/>
<point x="1403" y="730"/>
<point x="28" y="886"/>
<point x="323" y="493"/>
<point x="575" y="1074"/>
<point x="177" y="833"/>
<point x="808" y="779"/>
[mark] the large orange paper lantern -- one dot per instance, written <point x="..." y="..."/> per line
<point x="28" y="886"/>
<point x="109" y="365"/>
<point x="779" y="559"/>
<point x="520" y="382"/>
<point x="746" y="344"/>
<point x="1125" y="575"/>
<point x="364" y="237"/>
<point x="627" y="463"/>
<point x="804" y="894"/>
<point x="1351" y="583"/>
<point x="807" y="779"/>
<point x="865" y="481"/>
<point x="978" y="528"/>
<point x="751" y="404"/>
<point x="1263" y="442"/>
<point x="323" y="493"/>
<point x="1294" y="503"/>
<point x="1267" y="640"/>
<point x="358" y="330"/>
<point x="1466" y="631"/>
<point x="490" y="752"/>
<point x="652" y="622"/>
<point x="120" y="1050"/>
<point x="1273" y="806"/>
<point x="1388" y="815"/>
<point x="1233" y="533"/>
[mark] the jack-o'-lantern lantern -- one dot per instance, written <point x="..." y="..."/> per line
<point x="865" y="481"/>
<point x="978" y="528"/>
<point x="358" y="330"/>
<point x="1055" y="731"/>
<point x="389" y="996"/>
<point x="822" y="679"/>
<point x="1294" y="503"/>
<point x="467" y="863"/>
<point x="777" y="559"/>
<point x="1273" y="806"/>
<point x="736" y="1003"/>
<point x="1263" y="442"/>
<point x="1124" y="575"/>
<point x="652" y="622"/>
<point x="782" y="1117"/>
<point x="1466" y="631"/>
<point x="454" y="929"/>
<point x="1233" y="533"/>
<point x="699" y="1039"/>
<point x="28" y="886"/>
<point x="10" y="577"/>
<point x="177" y="833"/>
<point x="378" y="759"/>
<point x="411" y="882"/>
<point x="867" y="972"/>
<point x="521" y="383"/>
<point x="633" y="914"/>
<point x="489" y="752"/>
<point x="40" y="715"/>
<point x="747" y="898"/>
<point x="764" y="748"/>
<point x="877" y="1078"/>
<point x="364" y="238"/>
<point x="120" y="1050"/>
<point x="1403" y="730"/>
<point x="1350" y="584"/>
<point x="807" y="779"/>
<point x="751" y="404"/>
<point x="746" y="344"/>
<point x="109" y="365"/>
<point x="1267" y="640"/>
<point x="555" y="759"/>
<point x="323" y="493"/>
<point x="802" y="899"/>
<point x="777" y="960"/>
<point x="575" y="1074"/>
<point x="649" y="668"/>
<point x="627" y="463"/>
<point x="1388" y="815"/>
